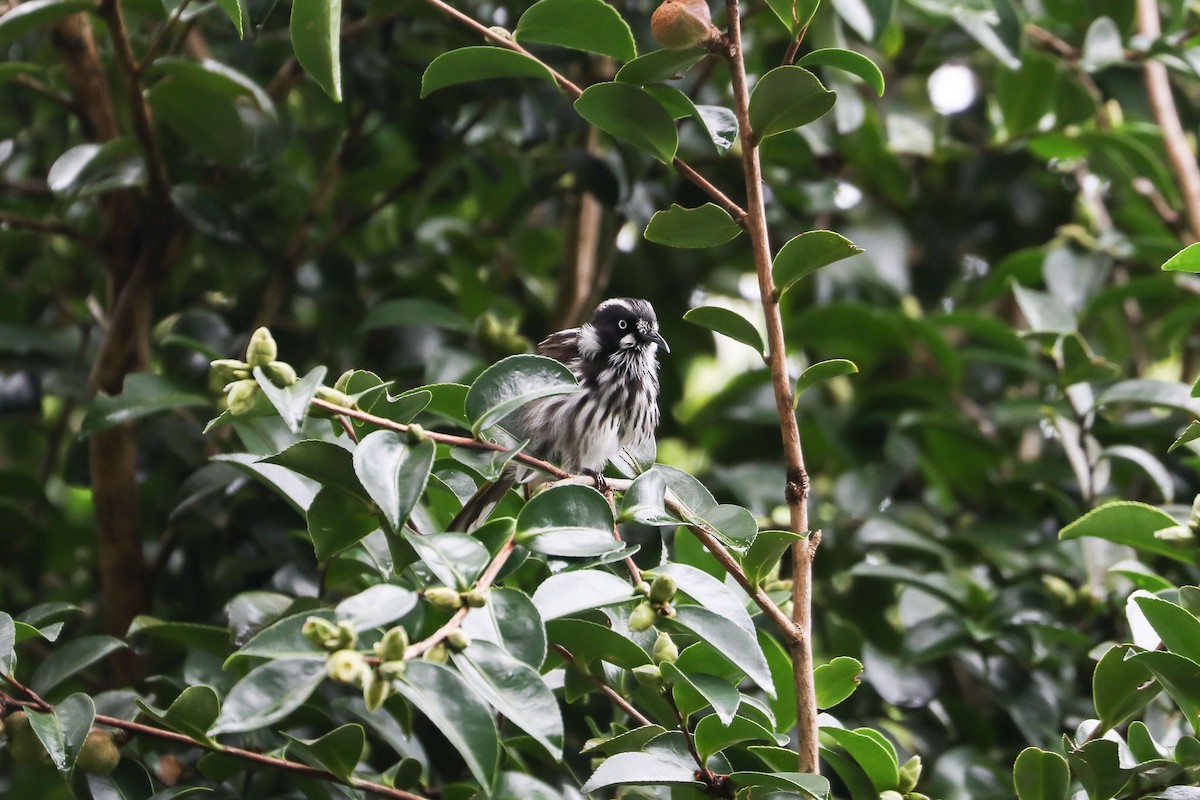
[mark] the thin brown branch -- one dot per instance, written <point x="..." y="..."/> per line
<point x="443" y="438"/>
<point x="635" y="574"/>
<point x="260" y="759"/>
<point x="49" y="92"/>
<point x="1158" y="87"/>
<point x="702" y="771"/>
<point x="49" y="226"/>
<point x="160" y="36"/>
<point x="796" y="490"/>
<point x="607" y="690"/>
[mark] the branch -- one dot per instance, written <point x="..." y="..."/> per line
<point x="49" y="226"/>
<point x="270" y="762"/>
<point x="1158" y="86"/>
<point x="797" y="476"/>
<point x="607" y="690"/>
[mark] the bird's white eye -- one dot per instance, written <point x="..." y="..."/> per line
<point x="622" y="324"/>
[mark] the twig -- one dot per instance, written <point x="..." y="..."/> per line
<point x="607" y="690"/>
<point x="50" y="226"/>
<point x="49" y="92"/>
<point x="348" y="428"/>
<point x="156" y="43"/>
<point x="1158" y="87"/>
<point x="635" y="574"/>
<point x="797" y="476"/>
<point x="701" y="770"/>
<point x="271" y="762"/>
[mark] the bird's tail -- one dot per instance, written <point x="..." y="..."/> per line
<point x="481" y="504"/>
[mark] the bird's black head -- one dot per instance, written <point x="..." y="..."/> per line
<point x="626" y="324"/>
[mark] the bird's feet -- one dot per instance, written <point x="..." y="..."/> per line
<point x="601" y="482"/>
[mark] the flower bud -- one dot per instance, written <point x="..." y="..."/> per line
<point x="890" y="794"/>
<point x="23" y="744"/>
<point x="227" y="370"/>
<point x="391" y="669"/>
<point x="262" y="349"/>
<point x="393" y="644"/>
<point x="662" y="590"/>
<point x="100" y="754"/>
<point x="648" y="675"/>
<point x="375" y="691"/>
<point x="416" y="434"/>
<point x="642" y="618"/>
<point x="346" y="666"/>
<point x="665" y="650"/>
<point x="281" y="373"/>
<point x="320" y="632"/>
<point x="458" y="640"/>
<point x="682" y="24"/>
<point x="444" y="597"/>
<point x="910" y="773"/>
<point x="240" y="395"/>
<point x="345" y="638"/>
<point x="438" y="654"/>
<point x="642" y="588"/>
<point x="334" y="396"/>
<point x="475" y="598"/>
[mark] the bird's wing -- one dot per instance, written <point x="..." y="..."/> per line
<point x="562" y="346"/>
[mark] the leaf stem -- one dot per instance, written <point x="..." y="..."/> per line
<point x="607" y="690"/>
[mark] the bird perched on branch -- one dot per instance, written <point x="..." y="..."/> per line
<point x="614" y="358"/>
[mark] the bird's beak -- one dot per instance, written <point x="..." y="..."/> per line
<point x="657" y="338"/>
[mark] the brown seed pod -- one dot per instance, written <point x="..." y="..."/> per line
<point x="681" y="24"/>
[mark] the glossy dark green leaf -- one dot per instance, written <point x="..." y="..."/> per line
<point x="63" y="729"/>
<point x="640" y="769"/>
<point x="994" y="25"/>
<point x="192" y="635"/>
<point x="877" y="759"/>
<point x="409" y="311"/>
<point x="316" y="30"/>
<point x="1097" y="766"/>
<point x="394" y="472"/>
<point x="590" y="25"/>
<point x="441" y="695"/>
<point x="737" y="645"/>
<point x="761" y="561"/>
<point x="814" y="786"/>
<point x="571" y="592"/>
<point x="376" y="606"/>
<point x="709" y="592"/>
<point x="626" y="742"/>
<point x="868" y="18"/>
<point x="73" y="657"/>
<point x="511" y="383"/>
<point x="1043" y="311"/>
<point x="848" y="61"/>
<point x="783" y="706"/>
<point x="90" y="169"/>
<point x="1180" y="677"/>
<point x="337" y="521"/>
<point x="514" y="689"/>
<point x="23" y="18"/>
<point x="468" y="64"/>
<point x="455" y="559"/>
<point x="804" y="254"/>
<point x="659" y="65"/>
<point x="728" y="323"/>
<point x="823" y="371"/>
<point x="206" y="120"/>
<point x="236" y="11"/>
<point x="1190" y="434"/>
<point x="192" y="713"/>
<point x="836" y="680"/>
<point x="589" y="640"/>
<point x="696" y="690"/>
<point x="1102" y="45"/>
<point x="292" y="402"/>
<point x="267" y="694"/>
<point x="338" y="751"/>
<point x="215" y="76"/>
<point x="787" y="98"/>
<point x="628" y="113"/>
<point x="512" y="621"/>
<point x="1171" y="395"/>
<point x="8" y="643"/>
<point x="324" y="462"/>
<point x="143" y="394"/>
<point x="282" y="639"/>
<point x="1041" y="775"/>
<point x="643" y="501"/>
<point x="1186" y="260"/>
<point x="571" y="520"/>
<point x="794" y="14"/>
<point x="712" y="735"/>
<point x="297" y="490"/>
<point x="708" y="225"/>
<point x="949" y="588"/>
<point x="1129" y="523"/>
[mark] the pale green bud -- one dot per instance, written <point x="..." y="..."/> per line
<point x="444" y="598"/>
<point x="321" y="632"/>
<point x="240" y="395"/>
<point x="665" y="649"/>
<point x="281" y="373"/>
<point x="375" y="691"/>
<point x="910" y="773"/>
<point x="393" y="644"/>
<point x="262" y="349"/>
<point x="662" y="590"/>
<point x="642" y="618"/>
<point x="475" y="598"/>
<point x="438" y="654"/>
<point x="346" y="666"/>
<point x="648" y="675"/>
<point x="458" y="640"/>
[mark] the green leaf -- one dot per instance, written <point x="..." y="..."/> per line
<point x="316" y="29"/>
<point x="338" y="751"/>
<point x="782" y="675"/>
<point x="236" y="11"/>
<point x="376" y="606"/>
<point x="71" y="658"/>
<point x="1121" y="686"/>
<point x="11" y="70"/>
<point x="572" y="520"/>
<point x="1180" y="677"/>
<point x="712" y="735"/>
<point x="206" y="120"/>
<point x="590" y="25"/>
<point x="25" y="17"/>
<point x="709" y="592"/>
<point x="63" y="729"/>
<point x="440" y="694"/>
<point x="1133" y="524"/>
<point x="1097" y="766"/>
<point x="947" y="587"/>
<point x="512" y="382"/>
<point x="456" y="559"/>
<point x="324" y="462"/>
<point x="192" y="713"/>
<point x="296" y="490"/>
<point x="337" y="520"/>
<point x="794" y="14"/>
<point x="630" y="114"/>
<point x="728" y="323"/>
<point x="823" y="371"/>
<point x="708" y="225"/>
<point x="868" y="18"/>
<point x="267" y="694"/>
<point x="1186" y="260"/>
<point x="804" y="254"/>
<point x="1041" y="775"/>
<point x="588" y="640"/>
<point x="8" y="644"/>
<point x="733" y="641"/>
<point x="814" y="786"/>
<point x="644" y="500"/>
<point x="515" y="689"/>
<point x="512" y="621"/>
<point x="848" y="61"/>
<point x="282" y="639"/>
<point x="1044" y="312"/>
<point x="192" y="635"/>
<point x="1190" y="434"/>
<point x="1171" y="395"/>
<point x="418" y="312"/>
<point x="640" y="769"/>
<point x="628" y="741"/>
<point x="1102" y="45"/>
<point x="659" y="65"/>
<point x="142" y="395"/>
<point x="876" y="759"/>
<point x="215" y="76"/>
<point x="787" y="98"/>
<point x="836" y="680"/>
<point x="394" y="472"/>
<point x="695" y="690"/>
<point x="292" y="402"/>
<point x="468" y="64"/>
<point x="571" y="592"/>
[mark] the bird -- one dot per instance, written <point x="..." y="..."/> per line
<point x="614" y="357"/>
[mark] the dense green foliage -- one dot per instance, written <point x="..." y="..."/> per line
<point x="994" y="400"/>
